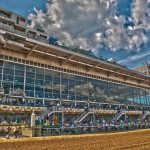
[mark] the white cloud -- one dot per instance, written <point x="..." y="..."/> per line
<point x="139" y="8"/>
<point x="136" y="57"/>
<point x="89" y="23"/>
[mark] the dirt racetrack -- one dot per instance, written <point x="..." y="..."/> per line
<point x="132" y="140"/>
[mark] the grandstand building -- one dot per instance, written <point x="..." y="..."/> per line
<point x="145" y="69"/>
<point x="42" y="72"/>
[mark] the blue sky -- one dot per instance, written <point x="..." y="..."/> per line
<point x="124" y="56"/>
<point x="23" y="7"/>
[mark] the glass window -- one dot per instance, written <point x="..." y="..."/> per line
<point x="30" y="75"/>
<point x="48" y="72"/>
<point x="30" y="69"/>
<point x="48" y="90"/>
<point x="70" y="76"/>
<point x="19" y="79"/>
<point x="29" y="81"/>
<point x="39" y="70"/>
<point x="22" y="19"/>
<point x="48" y="95"/>
<point x="29" y="93"/>
<point x="19" y="73"/>
<point x="65" y="96"/>
<point x="0" y="76"/>
<point x="18" y="89"/>
<point x="38" y="88"/>
<point x="56" y="74"/>
<point x="72" y="82"/>
<point x="79" y="98"/>
<point x="40" y="76"/>
<point x="78" y="82"/>
<point x="56" y="79"/>
<point x="78" y="78"/>
<point x="64" y="75"/>
<point x="8" y="71"/>
<point x="0" y="69"/>
<point x="19" y="67"/>
<point x="56" y="86"/>
<point x="56" y="95"/>
<point x="48" y="78"/>
<point x="39" y="94"/>
<point x="31" y="87"/>
<point x="8" y="77"/>
<point x="39" y="82"/>
<point x="8" y="65"/>
<point x="64" y="81"/>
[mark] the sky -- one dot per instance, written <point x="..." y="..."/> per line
<point x="118" y="29"/>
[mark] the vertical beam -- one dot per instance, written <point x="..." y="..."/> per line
<point x="125" y="78"/>
<point x="108" y="74"/>
<point x="24" y="84"/>
<point x="2" y="73"/>
<point x="60" y="87"/>
<point x="139" y="81"/>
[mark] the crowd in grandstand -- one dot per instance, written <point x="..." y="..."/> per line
<point x="103" y="122"/>
<point x="99" y="122"/>
<point x="14" y="122"/>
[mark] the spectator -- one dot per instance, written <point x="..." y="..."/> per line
<point x="7" y="131"/>
<point x="15" y="132"/>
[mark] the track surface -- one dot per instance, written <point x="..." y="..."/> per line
<point x="132" y="140"/>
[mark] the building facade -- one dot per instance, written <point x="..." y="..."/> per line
<point x="145" y="69"/>
<point x="34" y="82"/>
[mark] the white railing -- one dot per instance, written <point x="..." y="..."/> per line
<point x="118" y="115"/>
<point x="83" y="115"/>
<point x="20" y="33"/>
<point x="15" y="43"/>
<point x="146" y="113"/>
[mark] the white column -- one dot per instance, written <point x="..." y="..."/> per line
<point x="32" y="119"/>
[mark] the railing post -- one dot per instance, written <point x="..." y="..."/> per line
<point x="62" y="119"/>
<point x="94" y="120"/>
<point x="43" y="102"/>
<point x="125" y="115"/>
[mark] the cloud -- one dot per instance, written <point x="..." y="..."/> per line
<point x="139" y="10"/>
<point x="136" y="57"/>
<point x="91" y="24"/>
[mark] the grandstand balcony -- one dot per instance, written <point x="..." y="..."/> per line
<point x="6" y="27"/>
<point x="20" y="109"/>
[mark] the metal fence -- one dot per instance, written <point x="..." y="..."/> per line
<point x="87" y="129"/>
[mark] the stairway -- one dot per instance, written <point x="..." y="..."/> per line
<point x="145" y="115"/>
<point x="54" y="111"/>
<point x="83" y="115"/>
<point x="45" y="112"/>
<point x="118" y="115"/>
